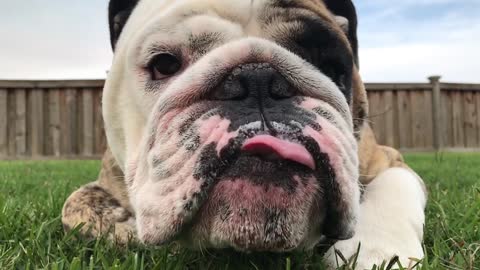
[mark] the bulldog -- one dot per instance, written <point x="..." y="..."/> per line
<point x="242" y="124"/>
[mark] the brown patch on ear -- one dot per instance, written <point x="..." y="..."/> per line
<point x="359" y="102"/>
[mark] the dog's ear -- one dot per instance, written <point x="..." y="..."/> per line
<point x="118" y="13"/>
<point x="344" y="9"/>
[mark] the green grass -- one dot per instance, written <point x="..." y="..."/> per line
<point x="31" y="235"/>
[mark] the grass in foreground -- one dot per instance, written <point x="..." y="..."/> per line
<point x="31" y="235"/>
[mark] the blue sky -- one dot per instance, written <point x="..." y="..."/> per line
<point x="403" y="41"/>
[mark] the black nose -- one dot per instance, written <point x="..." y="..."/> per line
<point x="256" y="80"/>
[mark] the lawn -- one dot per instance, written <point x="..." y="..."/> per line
<point x="31" y="236"/>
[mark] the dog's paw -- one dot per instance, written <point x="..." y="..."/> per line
<point x="98" y="213"/>
<point x="389" y="230"/>
<point x="351" y="254"/>
<point x="124" y="232"/>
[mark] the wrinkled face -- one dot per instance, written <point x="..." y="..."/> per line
<point x="232" y="123"/>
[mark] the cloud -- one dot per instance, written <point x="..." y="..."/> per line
<point x="413" y="63"/>
<point x="404" y="40"/>
<point x="397" y="44"/>
<point x="54" y="39"/>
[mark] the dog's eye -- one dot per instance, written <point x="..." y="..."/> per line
<point x="164" y="65"/>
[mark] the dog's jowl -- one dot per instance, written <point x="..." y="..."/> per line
<point x="242" y="124"/>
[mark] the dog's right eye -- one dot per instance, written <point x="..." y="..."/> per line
<point x="164" y="65"/>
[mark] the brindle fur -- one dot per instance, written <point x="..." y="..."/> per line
<point x="101" y="207"/>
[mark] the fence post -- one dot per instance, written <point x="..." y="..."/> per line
<point x="436" y="112"/>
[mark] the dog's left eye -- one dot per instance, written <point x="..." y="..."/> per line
<point x="164" y="65"/>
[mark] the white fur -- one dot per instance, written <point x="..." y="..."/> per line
<point x="390" y="223"/>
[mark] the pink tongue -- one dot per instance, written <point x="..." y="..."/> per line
<point x="284" y="149"/>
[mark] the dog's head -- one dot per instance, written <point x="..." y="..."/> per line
<point x="235" y="121"/>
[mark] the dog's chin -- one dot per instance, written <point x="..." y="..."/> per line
<point x="260" y="205"/>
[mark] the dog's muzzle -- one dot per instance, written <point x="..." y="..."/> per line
<point x="254" y="152"/>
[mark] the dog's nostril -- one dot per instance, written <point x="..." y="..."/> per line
<point x="257" y="80"/>
<point x="231" y="89"/>
<point x="280" y="88"/>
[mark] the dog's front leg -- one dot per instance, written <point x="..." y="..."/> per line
<point x="390" y="222"/>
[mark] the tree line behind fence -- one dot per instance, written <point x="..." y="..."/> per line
<point x="64" y="119"/>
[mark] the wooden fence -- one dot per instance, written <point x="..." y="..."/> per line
<point x="426" y="117"/>
<point x="51" y="119"/>
<point x="63" y="119"/>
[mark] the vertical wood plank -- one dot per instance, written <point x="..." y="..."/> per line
<point x="20" y="122"/>
<point x="3" y="122"/>
<point x="457" y="117"/>
<point x="418" y="119"/>
<point x="389" y="120"/>
<point x="470" y="118"/>
<point x="37" y="123"/>
<point x="446" y="118"/>
<point x="71" y="115"/>
<point x="87" y="104"/>
<point x="380" y="117"/>
<point x="29" y="121"/>
<point x="435" y="101"/>
<point x="404" y="120"/>
<point x="11" y="111"/>
<point x="428" y="119"/>
<point x="396" y="133"/>
<point x="79" y="142"/>
<point x="374" y="114"/>
<point x="54" y="121"/>
<point x="64" y="129"/>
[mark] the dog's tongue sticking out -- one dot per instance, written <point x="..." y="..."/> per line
<point x="266" y="144"/>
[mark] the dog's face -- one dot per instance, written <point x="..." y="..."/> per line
<point x="232" y="120"/>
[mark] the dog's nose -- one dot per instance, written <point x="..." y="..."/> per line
<point x="256" y="80"/>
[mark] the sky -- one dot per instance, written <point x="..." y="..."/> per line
<point x="400" y="41"/>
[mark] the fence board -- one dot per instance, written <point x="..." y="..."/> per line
<point x="446" y="118"/>
<point x="428" y="118"/>
<point x="404" y="119"/>
<point x="87" y="134"/>
<point x="11" y="111"/>
<point x="71" y="116"/>
<point x="64" y="130"/>
<point x="418" y="118"/>
<point x="37" y="122"/>
<point x="20" y="122"/>
<point x="79" y="120"/>
<point x="389" y="120"/>
<point x="3" y="122"/>
<point x="458" y="126"/>
<point x="470" y="116"/>
<point x="53" y="145"/>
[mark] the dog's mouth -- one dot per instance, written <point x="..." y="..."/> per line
<point x="251" y="188"/>
<point x="256" y="166"/>
<point x="267" y="194"/>
<point x="273" y="149"/>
